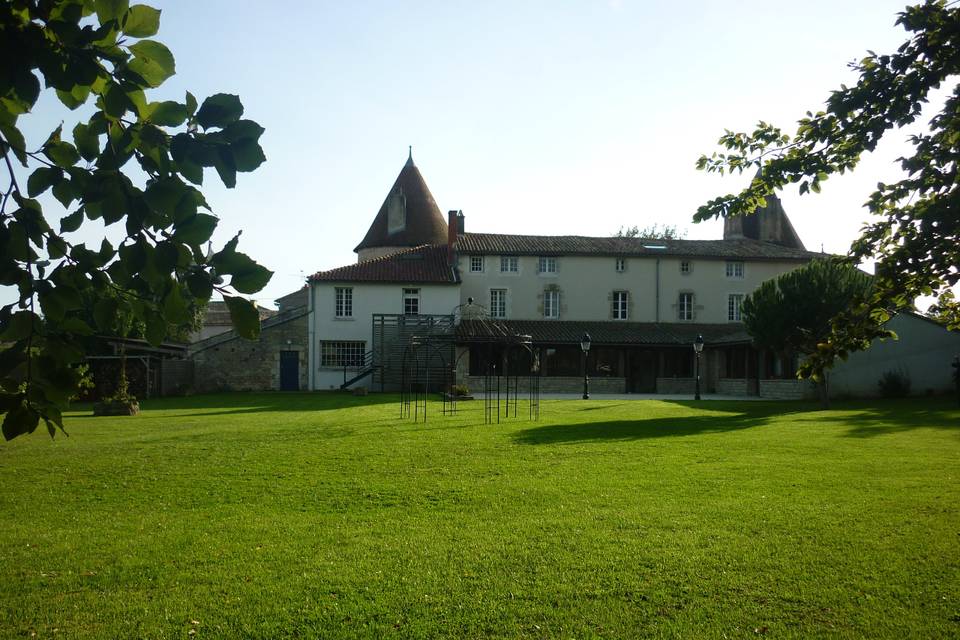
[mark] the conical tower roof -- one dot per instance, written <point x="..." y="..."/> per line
<point x="409" y="216"/>
<point x="768" y="223"/>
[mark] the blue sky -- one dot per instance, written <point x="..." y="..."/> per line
<point x="531" y="117"/>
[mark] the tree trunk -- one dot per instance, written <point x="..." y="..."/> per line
<point x="823" y="391"/>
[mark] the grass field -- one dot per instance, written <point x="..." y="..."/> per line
<point x="311" y="515"/>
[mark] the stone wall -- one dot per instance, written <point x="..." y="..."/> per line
<point x="788" y="389"/>
<point x="678" y="385"/>
<point x="555" y="384"/>
<point x="230" y="363"/>
<point x="732" y="386"/>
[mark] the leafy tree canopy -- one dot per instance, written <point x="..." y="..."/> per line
<point x="654" y="231"/>
<point x="914" y="235"/>
<point x="792" y="313"/>
<point x="135" y="162"/>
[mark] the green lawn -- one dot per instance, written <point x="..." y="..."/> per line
<point x="315" y="515"/>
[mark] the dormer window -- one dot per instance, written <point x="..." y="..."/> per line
<point x="396" y="212"/>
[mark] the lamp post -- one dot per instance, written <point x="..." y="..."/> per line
<point x="585" y="345"/>
<point x="697" y="348"/>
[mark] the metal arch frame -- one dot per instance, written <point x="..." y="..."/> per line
<point x="415" y="370"/>
<point x="410" y="385"/>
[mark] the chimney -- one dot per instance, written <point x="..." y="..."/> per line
<point x="453" y="228"/>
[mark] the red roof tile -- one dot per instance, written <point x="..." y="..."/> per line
<point x="426" y="264"/>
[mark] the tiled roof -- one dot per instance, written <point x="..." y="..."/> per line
<point x="424" y="223"/>
<point x="426" y="264"/>
<point x="217" y="314"/>
<point x="743" y="248"/>
<point x="608" y="333"/>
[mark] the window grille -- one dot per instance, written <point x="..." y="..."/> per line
<point x="734" y="269"/>
<point x="342" y="353"/>
<point x="620" y="299"/>
<point x="411" y="302"/>
<point x="476" y="264"/>
<point x="734" y="304"/>
<point x="547" y="264"/>
<point x="509" y="264"/>
<point x="498" y="303"/>
<point x="685" y="306"/>
<point x="551" y="303"/>
<point x="344" y="302"/>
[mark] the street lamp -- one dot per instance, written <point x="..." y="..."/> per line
<point x="697" y="348"/>
<point x="585" y="345"/>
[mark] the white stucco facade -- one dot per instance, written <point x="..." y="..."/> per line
<point x="923" y="353"/>
<point x="367" y="299"/>
<point x="586" y="286"/>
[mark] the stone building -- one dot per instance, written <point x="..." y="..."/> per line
<point x="643" y="302"/>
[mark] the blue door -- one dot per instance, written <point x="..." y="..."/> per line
<point x="289" y="371"/>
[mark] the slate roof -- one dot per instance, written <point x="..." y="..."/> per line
<point x="426" y="265"/>
<point x="424" y="222"/>
<point x="610" y="333"/>
<point x="743" y="248"/>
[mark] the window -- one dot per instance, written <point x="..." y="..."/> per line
<point x="342" y="353"/>
<point x="547" y="264"/>
<point x="476" y="264"/>
<point x="620" y="305"/>
<point x="685" y="267"/>
<point x="344" y="302"/>
<point x="734" y="269"/>
<point x="551" y="303"/>
<point x="685" y="306"/>
<point x="498" y="303"/>
<point x="734" y="302"/>
<point x="509" y="264"/>
<point x="621" y="265"/>
<point x="411" y="302"/>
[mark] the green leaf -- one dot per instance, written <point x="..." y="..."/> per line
<point x="76" y="325"/>
<point x="167" y="113"/>
<point x="226" y="167"/>
<point x="19" y="326"/>
<point x="219" y="110"/>
<point x="244" y="316"/>
<point x="156" y="330"/>
<point x="63" y="154"/>
<point x="243" y="130"/>
<point x="42" y="179"/>
<point x="19" y="421"/>
<point x="152" y="61"/>
<point x="65" y="192"/>
<point x="175" y="307"/>
<point x="141" y="21"/>
<point x="71" y="222"/>
<point x="191" y="171"/>
<point x="252" y="280"/>
<point x="200" y="285"/>
<point x="110" y="9"/>
<point x="75" y="97"/>
<point x="196" y="230"/>
<point x="247" y="155"/>
<point x="105" y="314"/>
<point x="88" y="142"/>
<point x="191" y="103"/>
<point x="115" y="101"/>
<point x="15" y="140"/>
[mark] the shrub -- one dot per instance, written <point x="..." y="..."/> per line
<point x="894" y="384"/>
<point x="460" y="390"/>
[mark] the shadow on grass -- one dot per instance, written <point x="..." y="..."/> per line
<point x="852" y="420"/>
<point x="898" y="417"/>
<point x="639" y="429"/>
<point x="257" y="402"/>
